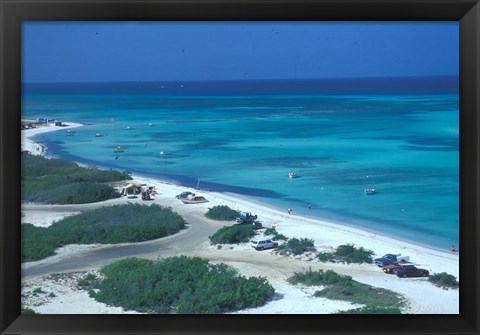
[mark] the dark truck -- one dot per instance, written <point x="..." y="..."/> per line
<point x="391" y="259"/>
<point x="248" y="218"/>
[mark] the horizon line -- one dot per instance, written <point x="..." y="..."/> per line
<point x="237" y="80"/>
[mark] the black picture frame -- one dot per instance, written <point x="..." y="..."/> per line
<point x="13" y="12"/>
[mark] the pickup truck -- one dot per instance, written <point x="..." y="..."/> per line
<point x="391" y="259"/>
<point x="246" y="217"/>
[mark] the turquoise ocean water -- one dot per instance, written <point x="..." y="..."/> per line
<point x="399" y="136"/>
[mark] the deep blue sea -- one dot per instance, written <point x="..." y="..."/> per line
<point x="400" y="136"/>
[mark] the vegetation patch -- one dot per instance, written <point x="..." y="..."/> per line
<point x="237" y="233"/>
<point x="340" y="287"/>
<point x="347" y="253"/>
<point x="276" y="236"/>
<point x="221" y="213"/>
<point x="38" y="290"/>
<point x="28" y="311"/>
<point x="373" y="310"/>
<point x="57" y="181"/>
<point x="112" y="224"/>
<point x="88" y="282"/>
<point x="444" y="279"/>
<point x="181" y="285"/>
<point x="297" y="246"/>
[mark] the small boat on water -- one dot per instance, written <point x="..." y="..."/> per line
<point x="194" y="199"/>
<point x="98" y="135"/>
<point x="292" y="175"/>
<point x="70" y="132"/>
<point x="129" y="128"/>
<point x="163" y="153"/>
<point x="118" y="149"/>
<point x="151" y="124"/>
<point x="370" y="190"/>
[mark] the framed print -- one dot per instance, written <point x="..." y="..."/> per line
<point x="240" y="167"/>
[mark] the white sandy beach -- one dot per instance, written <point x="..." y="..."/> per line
<point x="423" y="297"/>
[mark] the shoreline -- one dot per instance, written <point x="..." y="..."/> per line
<point x="343" y="222"/>
<point x="326" y="234"/>
<point x="234" y="197"/>
<point x="36" y="148"/>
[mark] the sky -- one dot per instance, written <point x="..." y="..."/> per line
<point x="56" y="52"/>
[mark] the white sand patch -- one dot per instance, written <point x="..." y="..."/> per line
<point x="36" y="148"/>
<point x="298" y="299"/>
<point x="43" y="218"/>
<point x="59" y="294"/>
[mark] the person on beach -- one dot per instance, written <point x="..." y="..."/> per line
<point x="309" y="206"/>
<point x="452" y="249"/>
<point x="289" y="211"/>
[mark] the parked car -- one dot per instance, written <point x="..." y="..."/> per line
<point x="257" y="225"/>
<point x="409" y="270"/>
<point x="389" y="259"/>
<point x="262" y="244"/>
<point x="183" y="195"/>
<point x="147" y="196"/>
<point x="392" y="268"/>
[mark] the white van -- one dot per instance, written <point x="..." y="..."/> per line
<point x="262" y="244"/>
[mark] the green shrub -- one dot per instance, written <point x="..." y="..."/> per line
<point x="276" y="236"/>
<point x="358" y="293"/>
<point x="88" y="282"/>
<point x="347" y="253"/>
<point x="180" y="285"/>
<point x="222" y="213"/>
<point x="326" y="256"/>
<point x="237" y="233"/>
<point x="317" y="278"/>
<point x="112" y="224"/>
<point x="298" y="246"/>
<point x="63" y="182"/>
<point x="444" y="279"/>
<point x="372" y="310"/>
<point x="28" y="311"/>
<point x="341" y="287"/>
<point x="76" y="193"/>
<point x="37" y="243"/>
<point x="38" y="290"/>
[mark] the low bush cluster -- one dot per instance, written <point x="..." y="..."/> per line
<point x="222" y="213"/>
<point x="276" y="236"/>
<point x="317" y="278"/>
<point x="444" y="279"/>
<point x="236" y="233"/>
<point x="112" y="224"/>
<point x="297" y="246"/>
<point x="341" y="287"/>
<point x="180" y="285"/>
<point x="373" y="310"/>
<point x="56" y="181"/>
<point x="28" y="311"/>
<point x="76" y="193"/>
<point x="347" y="253"/>
<point x="88" y="282"/>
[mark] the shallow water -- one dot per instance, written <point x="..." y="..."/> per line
<point x="403" y="144"/>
